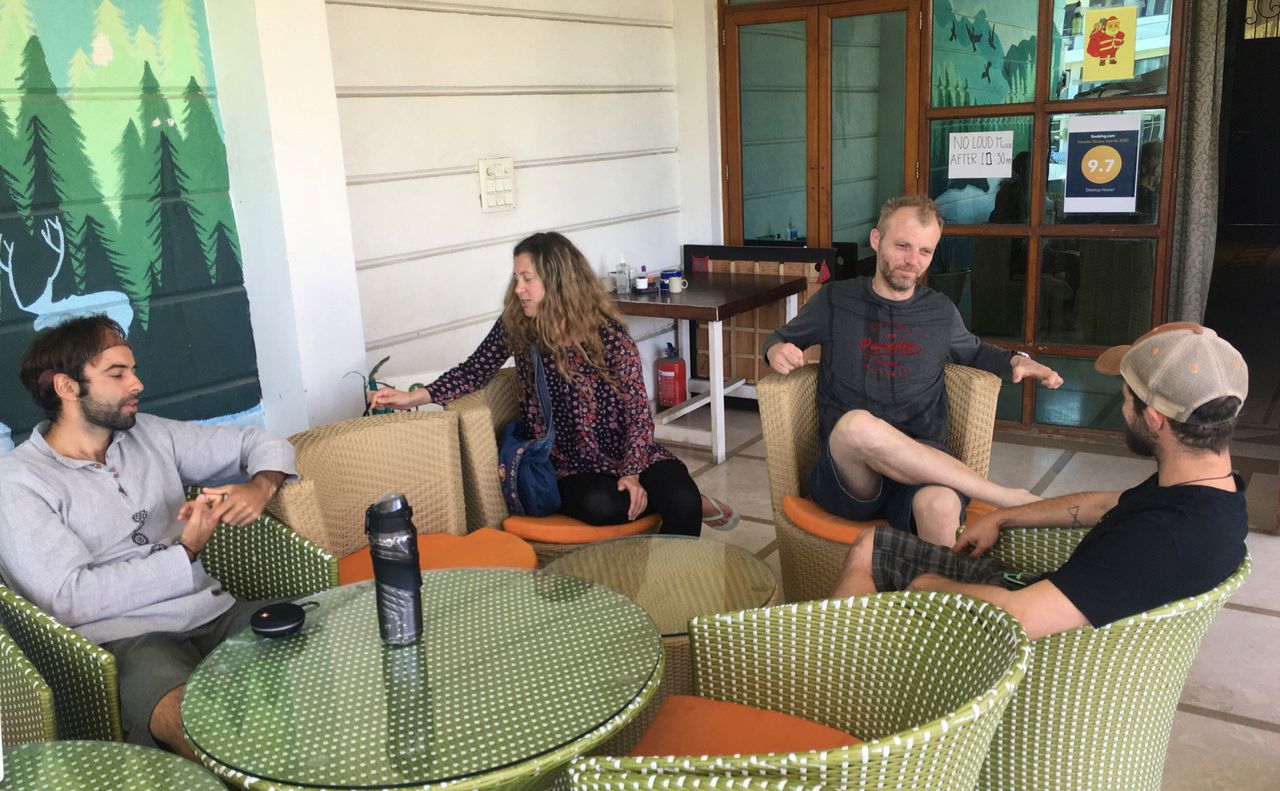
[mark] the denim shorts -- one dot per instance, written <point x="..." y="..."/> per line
<point x="892" y="503"/>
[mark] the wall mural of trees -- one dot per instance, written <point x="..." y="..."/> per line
<point x="114" y="199"/>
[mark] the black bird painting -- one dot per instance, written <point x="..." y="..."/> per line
<point x="986" y="73"/>
<point x="953" y="31"/>
<point x="974" y="38"/>
<point x="991" y="37"/>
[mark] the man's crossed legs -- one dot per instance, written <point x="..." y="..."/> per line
<point x="871" y="465"/>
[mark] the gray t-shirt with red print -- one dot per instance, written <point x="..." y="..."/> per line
<point x="887" y="357"/>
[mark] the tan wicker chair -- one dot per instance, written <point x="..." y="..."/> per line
<point x="481" y="417"/>
<point x="348" y="465"/>
<point x="789" y="416"/>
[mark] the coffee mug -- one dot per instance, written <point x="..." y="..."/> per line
<point x="677" y="284"/>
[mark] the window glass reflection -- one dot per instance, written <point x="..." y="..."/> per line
<point x="1071" y="41"/>
<point x="1095" y="291"/>
<point x="986" y="277"/>
<point x="1087" y="399"/>
<point x="987" y="199"/>
<point x="1150" y="153"/>
<point x="984" y="52"/>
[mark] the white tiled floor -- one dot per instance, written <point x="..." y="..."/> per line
<point x="1227" y="734"/>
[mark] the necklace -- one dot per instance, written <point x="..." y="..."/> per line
<point x="1202" y="480"/>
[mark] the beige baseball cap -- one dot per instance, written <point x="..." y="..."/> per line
<point x="1176" y="368"/>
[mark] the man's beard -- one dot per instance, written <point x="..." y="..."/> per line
<point x="106" y="416"/>
<point x="902" y="284"/>
<point x="1137" y="442"/>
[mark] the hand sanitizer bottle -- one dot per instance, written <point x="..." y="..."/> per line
<point x="622" y="275"/>
<point x="642" y="279"/>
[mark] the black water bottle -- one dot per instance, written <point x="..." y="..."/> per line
<point x="393" y="545"/>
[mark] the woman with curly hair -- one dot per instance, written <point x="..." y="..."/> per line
<point x="610" y="468"/>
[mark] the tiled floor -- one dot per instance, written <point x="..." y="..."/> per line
<point x="1227" y="731"/>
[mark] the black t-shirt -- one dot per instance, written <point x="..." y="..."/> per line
<point x="1158" y="545"/>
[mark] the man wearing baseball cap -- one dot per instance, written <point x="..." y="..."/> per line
<point x="1177" y="534"/>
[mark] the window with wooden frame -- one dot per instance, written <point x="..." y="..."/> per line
<point x="811" y="94"/>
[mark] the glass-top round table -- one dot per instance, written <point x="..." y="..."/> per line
<point x="674" y="578"/>
<point x="516" y="673"/>
<point x="55" y="766"/>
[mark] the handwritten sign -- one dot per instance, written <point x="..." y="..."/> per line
<point x="976" y="155"/>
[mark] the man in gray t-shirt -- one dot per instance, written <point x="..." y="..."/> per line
<point x="95" y="528"/>
<point x="882" y="405"/>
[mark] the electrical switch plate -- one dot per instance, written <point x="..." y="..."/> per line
<point x="497" y="184"/>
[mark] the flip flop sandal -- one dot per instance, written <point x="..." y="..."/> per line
<point x="725" y="518"/>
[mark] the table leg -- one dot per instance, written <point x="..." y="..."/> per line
<point x="715" y="336"/>
<point x="682" y="344"/>
<point x="792" y="306"/>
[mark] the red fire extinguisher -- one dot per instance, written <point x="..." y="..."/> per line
<point x="671" y="379"/>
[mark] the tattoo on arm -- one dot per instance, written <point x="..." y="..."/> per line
<point x="1075" y="516"/>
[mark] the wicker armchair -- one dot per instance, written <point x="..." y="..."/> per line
<point x="481" y="417"/>
<point x="346" y="466"/>
<point x="922" y="678"/>
<point x="26" y="704"/>
<point x="1097" y="705"/>
<point x="262" y="560"/>
<point x="789" y="416"/>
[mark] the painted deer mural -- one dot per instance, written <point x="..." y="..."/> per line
<point x="50" y="312"/>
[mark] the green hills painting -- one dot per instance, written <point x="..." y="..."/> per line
<point x="114" y="199"/>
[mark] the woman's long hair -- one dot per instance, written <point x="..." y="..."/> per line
<point x="573" y="308"/>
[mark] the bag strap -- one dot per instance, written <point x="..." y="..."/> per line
<point x="544" y="397"/>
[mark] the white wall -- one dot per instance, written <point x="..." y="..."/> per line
<point x="609" y="110"/>
<point x="278" y="108"/>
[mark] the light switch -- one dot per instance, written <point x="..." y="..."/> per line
<point x="497" y="184"/>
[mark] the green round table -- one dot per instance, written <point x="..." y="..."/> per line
<point x="72" y="765"/>
<point x="674" y="578"/>
<point x="517" y="673"/>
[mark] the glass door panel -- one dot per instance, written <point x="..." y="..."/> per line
<point x="772" y="95"/>
<point x="868" y="127"/>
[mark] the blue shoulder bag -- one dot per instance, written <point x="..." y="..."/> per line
<point x="528" y="478"/>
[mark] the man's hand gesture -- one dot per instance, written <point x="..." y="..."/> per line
<point x="785" y="357"/>
<point x="1024" y="367"/>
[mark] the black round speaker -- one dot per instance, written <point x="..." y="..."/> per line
<point x="278" y="620"/>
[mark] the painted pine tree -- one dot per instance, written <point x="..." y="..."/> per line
<point x="45" y="192"/>
<point x="72" y="172"/>
<point x="203" y="149"/>
<point x="227" y="270"/>
<point x="102" y="268"/>
<point x="179" y="41"/>
<point x="135" y="248"/>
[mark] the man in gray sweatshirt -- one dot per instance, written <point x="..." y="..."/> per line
<point x="882" y="403"/>
<point x="95" y="528"/>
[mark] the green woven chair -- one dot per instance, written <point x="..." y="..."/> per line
<point x="1097" y="705"/>
<point x="923" y="678"/>
<point x="26" y="704"/>
<point x="262" y="560"/>
<point x="811" y="564"/>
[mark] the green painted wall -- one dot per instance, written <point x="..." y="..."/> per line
<point x="114" y="198"/>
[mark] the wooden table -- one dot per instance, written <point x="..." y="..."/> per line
<point x="712" y="297"/>
<point x="516" y="674"/>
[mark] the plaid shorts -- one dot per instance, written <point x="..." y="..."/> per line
<point x="897" y="558"/>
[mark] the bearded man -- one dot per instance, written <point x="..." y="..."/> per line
<point x="95" y="528"/>
<point x="1179" y="533"/>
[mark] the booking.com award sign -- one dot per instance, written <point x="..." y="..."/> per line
<point x="1102" y="163"/>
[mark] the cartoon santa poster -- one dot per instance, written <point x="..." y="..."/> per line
<point x="1110" y="36"/>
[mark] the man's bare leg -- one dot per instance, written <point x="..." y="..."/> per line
<point x="166" y="724"/>
<point x="855" y="577"/>
<point x="865" y="447"/>
<point x="937" y="514"/>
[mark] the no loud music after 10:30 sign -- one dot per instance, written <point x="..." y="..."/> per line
<point x="1102" y="163"/>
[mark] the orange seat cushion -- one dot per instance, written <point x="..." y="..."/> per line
<point x="484" y="547"/>
<point x="690" y="725"/>
<point x="813" y="518"/>
<point x="561" y="529"/>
